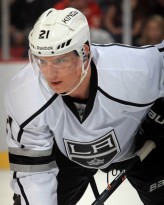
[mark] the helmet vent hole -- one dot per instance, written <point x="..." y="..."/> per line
<point x="68" y="42"/>
<point x="63" y="44"/>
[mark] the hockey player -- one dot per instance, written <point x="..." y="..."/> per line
<point x="75" y="108"/>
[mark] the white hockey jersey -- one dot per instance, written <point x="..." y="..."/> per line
<point x="125" y="81"/>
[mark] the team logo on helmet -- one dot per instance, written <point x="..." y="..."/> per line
<point x="69" y="16"/>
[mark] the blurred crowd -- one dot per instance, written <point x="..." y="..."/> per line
<point x="104" y="18"/>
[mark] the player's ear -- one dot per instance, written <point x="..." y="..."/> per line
<point x="86" y="49"/>
<point x="85" y="52"/>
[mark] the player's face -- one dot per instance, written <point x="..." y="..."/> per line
<point x="61" y="72"/>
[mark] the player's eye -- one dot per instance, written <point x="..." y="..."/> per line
<point x="59" y="60"/>
<point x="41" y="61"/>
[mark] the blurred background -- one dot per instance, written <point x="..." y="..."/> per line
<point x="132" y="22"/>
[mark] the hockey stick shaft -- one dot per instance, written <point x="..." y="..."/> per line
<point x="140" y="156"/>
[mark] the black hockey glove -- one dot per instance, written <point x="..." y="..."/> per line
<point x="152" y="126"/>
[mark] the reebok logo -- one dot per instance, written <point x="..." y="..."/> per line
<point x="45" y="48"/>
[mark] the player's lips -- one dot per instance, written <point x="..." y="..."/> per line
<point x="55" y="83"/>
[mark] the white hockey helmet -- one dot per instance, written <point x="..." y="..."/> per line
<point x="58" y="32"/>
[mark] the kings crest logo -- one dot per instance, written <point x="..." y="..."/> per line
<point x="94" y="154"/>
<point x="95" y="162"/>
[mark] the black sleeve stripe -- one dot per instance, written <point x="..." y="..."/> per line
<point x="122" y="101"/>
<point x="32" y="160"/>
<point x="20" y="134"/>
<point x="23" y="192"/>
<point x="14" y="175"/>
<point x="24" y="160"/>
<point x="39" y="111"/>
<point x="9" y="122"/>
<point x="34" y="115"/>
<point x="25" y="163"/>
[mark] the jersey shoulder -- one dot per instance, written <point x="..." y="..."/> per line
<point x="120" y="55"/>
<point x="128" y="73"/>
<point x="23" y="97"/>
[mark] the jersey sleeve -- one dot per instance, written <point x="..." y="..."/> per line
<point x="160" y="48"/>
<point x="31" y="157"/>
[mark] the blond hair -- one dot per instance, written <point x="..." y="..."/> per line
<point x="159" y="20"/>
